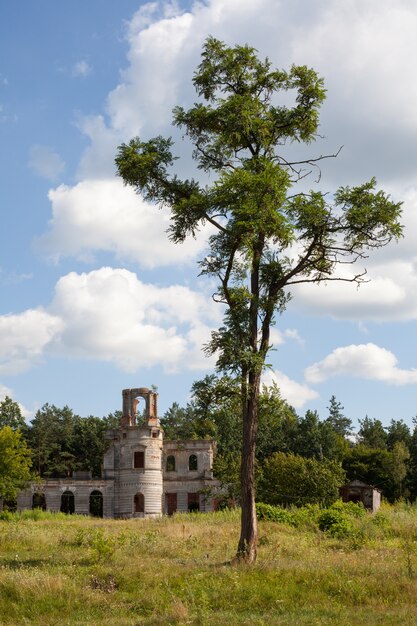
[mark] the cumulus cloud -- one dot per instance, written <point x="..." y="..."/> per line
<point x="24" y="337"/>
<point x="296" y="394"/>
<point x="362" y="361"/>
<point x="360" y="48"/>
<point x="98" y="215"/>
<point x="110" y="315"/>
<point x="46" y="162"/>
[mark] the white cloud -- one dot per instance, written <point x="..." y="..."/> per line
<point x="24" y="337"/>
<point x="278" y="337"/>
<point x="81" y="68"/>
<point x="110" y="315"/>
<point x="98" y="215"/>
<point x="365" y="51"/>
<point x="46" y="162"/>
<point x="362" y="361"/>
<point x="296" y="394"/>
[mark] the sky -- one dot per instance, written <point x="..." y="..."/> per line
<point x="93" y="296"/>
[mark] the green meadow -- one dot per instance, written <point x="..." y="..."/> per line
<point x="334" y="566"/>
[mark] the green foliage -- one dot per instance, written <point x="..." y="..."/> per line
<point x="398" y="467"/>
<point x="63" y="442"/>
<point x="11" y="415"/>
<point x="278" y="424"/>
<point x="15" y="463"/>
<point x="380" y="468"/>
<point x="341" y="424"/>
<point x="271" y="513"/>
<point x="239" y="130"/>
<point x="239" y="133"/>
<point x="398" y="432"/>
<point x="294" y="480"/>
<point x="372" y="433"/>
<point x="335" y="523"/>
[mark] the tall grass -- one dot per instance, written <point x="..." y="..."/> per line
<point x="347" y="568"/>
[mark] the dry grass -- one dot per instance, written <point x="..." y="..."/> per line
<point x="81" y="571"/>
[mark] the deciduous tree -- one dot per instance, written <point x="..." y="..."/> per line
<point x="289" y="479"/>
<point x="15" y="463"/>
<point x="268" y="235"/>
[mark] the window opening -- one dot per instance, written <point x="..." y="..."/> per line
<point x="67" y="503"/>
<point x="171" y="503"/>
<point x="139" y="460"/>
<point x="39" y="501"/>
<point x="139" y="503"/>
<point x="192" y="463"/>
<point x="170" y="466"/>
<point x="193" y="502"/>
<point x="96" y="503"/>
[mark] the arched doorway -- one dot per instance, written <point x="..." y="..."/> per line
<point x="139" y="503"/>
<point x="39" y="501"/>
<point x="67" y="502"/>
<point x="96" y="503"/>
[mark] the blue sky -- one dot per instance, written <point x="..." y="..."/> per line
<point x="93" y="296"/>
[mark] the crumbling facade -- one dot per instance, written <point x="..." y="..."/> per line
<point x="142" y="475"/>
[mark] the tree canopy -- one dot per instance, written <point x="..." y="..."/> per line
<point x="268" y="235"/>
<point x="15" y="463"/>
<point x="11" y="415"/>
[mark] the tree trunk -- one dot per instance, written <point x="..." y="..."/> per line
<point x="248" y="542"/>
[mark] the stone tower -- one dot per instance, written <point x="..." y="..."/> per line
<point x="134" y="457"/>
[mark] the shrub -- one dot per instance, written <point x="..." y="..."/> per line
<point x="334" y="522"/>
<point x="273" y="513"/>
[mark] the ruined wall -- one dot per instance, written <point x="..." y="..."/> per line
<point x="182" y="482"/>
<point x="119" y="462"/>
<point x="136" y="481"/>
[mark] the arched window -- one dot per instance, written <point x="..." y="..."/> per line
<point x="192" y="463"/>
<point x="139" y="503"/>
<point x="170" y="466"/>
<point x="39" y="501"/>
<point x="67" y="502"/>
<point x="96" y="503"/>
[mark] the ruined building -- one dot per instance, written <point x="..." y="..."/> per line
<point x="142" y="475"/>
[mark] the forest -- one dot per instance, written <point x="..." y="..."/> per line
<point x="300" y="459"/>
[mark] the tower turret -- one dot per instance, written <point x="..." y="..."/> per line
<point x="135" y="456"/>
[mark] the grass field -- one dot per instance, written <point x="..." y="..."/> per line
<point x="362" y="569"/>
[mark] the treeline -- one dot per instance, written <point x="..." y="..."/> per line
<point x="300" y="458"/>
<point x="60" y="441"/>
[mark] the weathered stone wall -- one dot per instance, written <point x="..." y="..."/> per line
<point x="54" y="488"/>
<point x="183" y="481"/>
<point x="119" y="462"/>
<point x="125" y="485"/>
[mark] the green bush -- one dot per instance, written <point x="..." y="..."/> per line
<point x="355" y="509"/>
<point x="334" y="522"/>
<point x="272" y="513"/>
